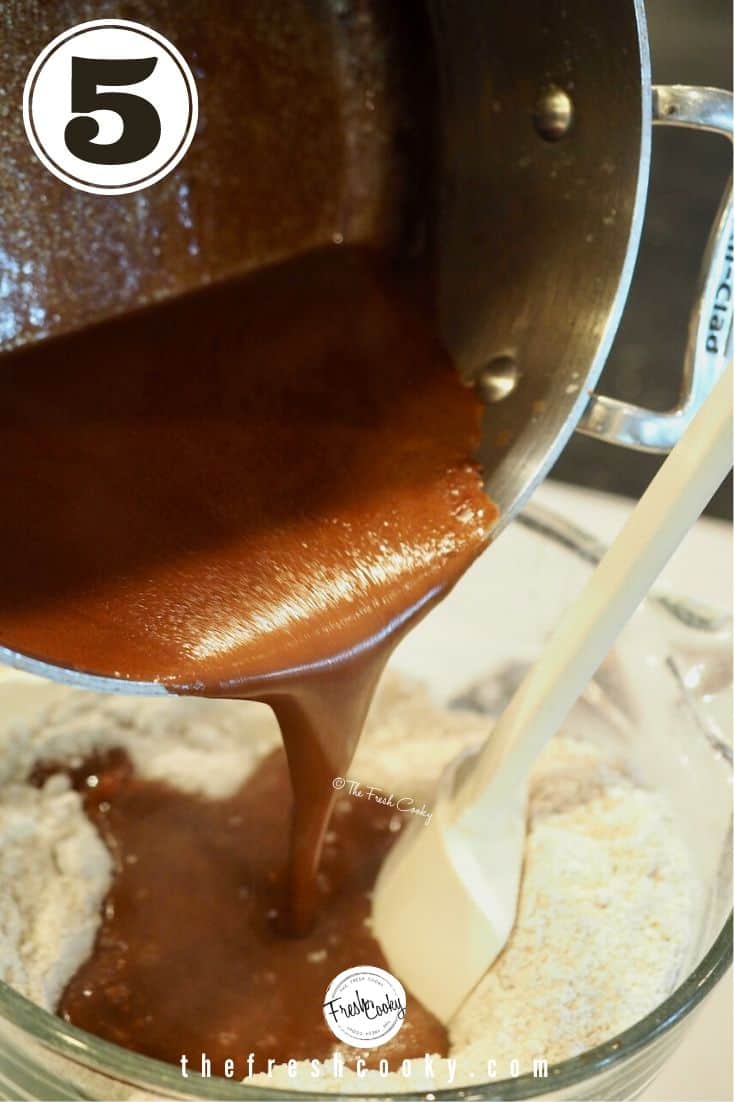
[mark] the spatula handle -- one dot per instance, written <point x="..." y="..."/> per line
<point x="671" y="504"/>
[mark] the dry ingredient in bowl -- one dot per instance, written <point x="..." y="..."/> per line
<point x="606" y="914"/>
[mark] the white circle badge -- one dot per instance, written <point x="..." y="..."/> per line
<point x="365" y="1006"/>
<point x="110" y="106"/>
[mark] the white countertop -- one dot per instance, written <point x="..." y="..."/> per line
<point x="701" y="1068"/>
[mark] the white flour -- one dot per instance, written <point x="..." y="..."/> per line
<point x="606" y="915"/>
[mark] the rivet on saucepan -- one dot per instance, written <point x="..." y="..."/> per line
<point x="553" y="113"/>
<point x="497" y="379"/>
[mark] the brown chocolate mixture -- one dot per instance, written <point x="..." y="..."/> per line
<point x="251" y="492"/>
<point x="188" y="959"/>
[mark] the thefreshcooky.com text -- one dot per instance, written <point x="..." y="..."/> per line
<point x="431" y="1067"/>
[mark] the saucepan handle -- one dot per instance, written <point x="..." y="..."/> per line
<point x="710" y="327"/>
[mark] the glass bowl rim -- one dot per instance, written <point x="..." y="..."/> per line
<point x="121" y="1065"/>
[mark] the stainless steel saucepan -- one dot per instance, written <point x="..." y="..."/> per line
<point x="544" y="112"/>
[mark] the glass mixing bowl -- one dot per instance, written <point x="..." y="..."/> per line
<point x="666" y="686"/>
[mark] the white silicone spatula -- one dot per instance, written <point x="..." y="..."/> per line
<point x="445" y="900"/>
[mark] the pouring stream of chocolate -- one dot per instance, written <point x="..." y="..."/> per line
<point x="251" y="492"/>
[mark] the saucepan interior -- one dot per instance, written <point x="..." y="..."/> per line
<point x="536" y="237"/>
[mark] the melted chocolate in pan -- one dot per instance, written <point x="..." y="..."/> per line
<point x="238" y="506"/>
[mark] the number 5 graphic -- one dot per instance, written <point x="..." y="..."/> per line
<point x="103" y="66"/>
<point x="141" y="122"/>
